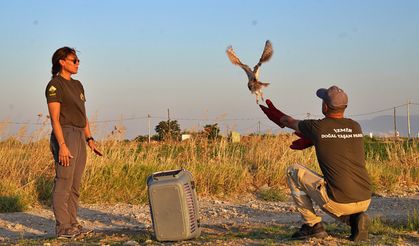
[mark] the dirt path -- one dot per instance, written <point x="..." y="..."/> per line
<point x="217" y="218"/>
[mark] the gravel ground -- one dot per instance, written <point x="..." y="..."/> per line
<point x="217" y="218"/>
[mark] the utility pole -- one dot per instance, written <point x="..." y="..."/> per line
<point x="394" y="121"/>
<point x="408" y="120"/>
<point x="227" y="130"/>
<point x="149" y="132"/>
<point x="168" y="124"/>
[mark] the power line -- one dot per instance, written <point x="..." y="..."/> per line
<point x="378" y="111"/>
<point x="20" y="123"/>
<point x="122" y="119"/>
<point x="220" y="120"/>
<point x="245" y="129"/>
<point x="271" y="128"/>
<point x="212" y="119"/>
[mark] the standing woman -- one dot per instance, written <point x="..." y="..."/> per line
<point x="65" y="97"/>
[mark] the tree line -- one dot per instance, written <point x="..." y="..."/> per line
<point x="170" y="130"/>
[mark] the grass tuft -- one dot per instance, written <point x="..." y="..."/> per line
<point x="10" y="204"/>
<point x="272" y="195"/>
<point x="413" y="221"/>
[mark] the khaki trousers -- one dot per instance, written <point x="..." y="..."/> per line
<point x="65" y="194"/>
<point x="307" y="186"/>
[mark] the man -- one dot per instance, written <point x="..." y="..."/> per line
<point x="344" y="190"/>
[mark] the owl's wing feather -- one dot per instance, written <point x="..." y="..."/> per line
<point x="236" y="61"/>
<point x="267" y="52"/>
<point x="266" y="55"/>
<point x="232" y="56"/>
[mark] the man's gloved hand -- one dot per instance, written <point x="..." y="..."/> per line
<point x="301" y="143"/>
<point x="273" y="113"/>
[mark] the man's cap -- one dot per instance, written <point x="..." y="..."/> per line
<point x="334" y="97"/>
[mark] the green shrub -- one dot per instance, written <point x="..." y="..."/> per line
<point x="10" y="204"/>
<point x="272" y="195"/>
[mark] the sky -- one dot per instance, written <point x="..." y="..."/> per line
<point x="141" y="58"/>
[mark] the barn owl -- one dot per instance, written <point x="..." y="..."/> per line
<point x="255" y="86"/>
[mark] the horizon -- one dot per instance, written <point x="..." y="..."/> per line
<point x="377" y="126"/>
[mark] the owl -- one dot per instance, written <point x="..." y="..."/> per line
<point x="254" y="85"/>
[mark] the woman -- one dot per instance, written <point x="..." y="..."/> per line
<point x="65" y="97"/>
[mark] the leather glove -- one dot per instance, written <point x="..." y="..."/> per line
<point x="301" y="143"/>
<point x="273" y="113"/>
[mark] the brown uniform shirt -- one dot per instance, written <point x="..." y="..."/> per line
<point x="70" y="94"/>
<point x="340" y="152"/>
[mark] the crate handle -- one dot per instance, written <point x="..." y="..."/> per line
<point x="168" y="173"/>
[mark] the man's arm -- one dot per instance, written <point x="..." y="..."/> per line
<point x="278" y="117"/>
<point x="290" y="122"/>
<point x="283" y="120"/>
<point x="273" y="113"/>
<point x="301" y="143"/>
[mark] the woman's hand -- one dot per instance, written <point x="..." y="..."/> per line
<point x="93" y="147"/>
<point x="64" y="155"/>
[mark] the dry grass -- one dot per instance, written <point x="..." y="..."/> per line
<point x="221" y="169"/>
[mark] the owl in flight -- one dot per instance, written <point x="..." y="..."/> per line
<point x="255" y="86"/>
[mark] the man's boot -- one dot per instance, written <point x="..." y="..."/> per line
<point x="307" y="231"/>
<point x="359" y="226"/>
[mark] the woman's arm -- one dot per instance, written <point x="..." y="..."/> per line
<point x="64" y="154"/>
<point x="87" y="132"/>
<point x="89" y="139"/>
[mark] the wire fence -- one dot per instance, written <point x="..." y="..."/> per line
<point x="256" y="125"/>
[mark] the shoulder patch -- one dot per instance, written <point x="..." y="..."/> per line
<point x="52" y="89"/>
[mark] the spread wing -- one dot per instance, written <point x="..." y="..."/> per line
<point x="236" y="61"/>
<point x="232" y="56"/>
<point x="267" y="52"/>
<point x="266" y="55"/>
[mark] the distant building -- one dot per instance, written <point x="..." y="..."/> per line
<point x="186" y="136"/>
<point x="235" y="137"/>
